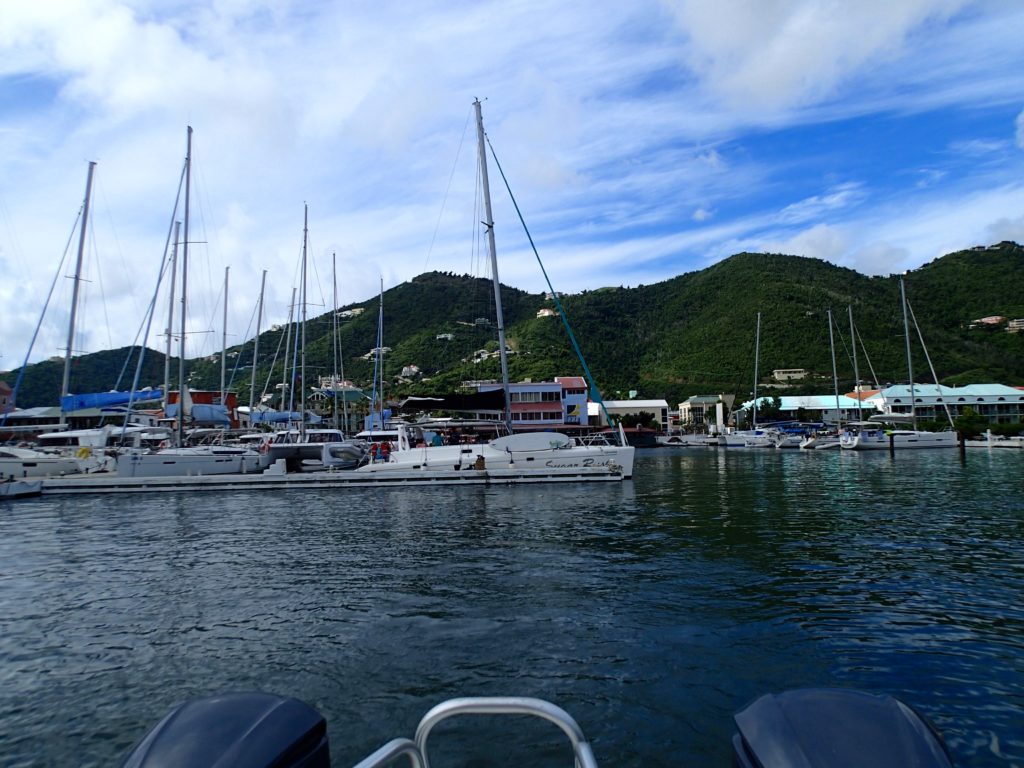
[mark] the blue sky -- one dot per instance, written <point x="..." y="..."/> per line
<point x="642" y="140"/>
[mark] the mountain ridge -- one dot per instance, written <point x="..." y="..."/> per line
<point x="693" y="333"/>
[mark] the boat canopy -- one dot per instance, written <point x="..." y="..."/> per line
<point x="201" y="413"/>
<point x="70" y="403"/>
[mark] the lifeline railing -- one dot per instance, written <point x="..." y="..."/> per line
<point x="416" y="750"/>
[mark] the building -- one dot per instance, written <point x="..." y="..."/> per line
<point x="998" y="403"/>
<point x="546" y="312"/>
<point x="622" y="408"/>
<point x="704" y="412"/>
<point x="545" y="404"/>
<point x="789" y="374"/>
<point x="815" y="408"/>
<point x="1015" y="326"/>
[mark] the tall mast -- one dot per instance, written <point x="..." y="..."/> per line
<point x="170" y="317"/>
<point x="256" y="345"/>
<point x="380" y="355"/>
<point x="224" y="339"/>
<point x="285" y="382"/>
<point x="835" y="375"/>
<point x="184" y="293"/>
<point x="64" y="391"/>
<point x="910" y="364"/>
<point x="302" y="369"/>
<point x="856" y="370"/>
<point x="334" y="334"/>
<point x="489" y="224"/>
<point x="757" y="358"/>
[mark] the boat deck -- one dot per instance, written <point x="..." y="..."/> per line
<point x="99" y="483"/>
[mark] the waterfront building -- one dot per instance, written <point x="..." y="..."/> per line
<point x="546" y="404"/>
<point x="817" y="408"/>
<point x="622" y="408"/>
<point x="704" y="412"/>
<point x="998" y="403"/>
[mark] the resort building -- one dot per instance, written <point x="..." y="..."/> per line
<point x="814" y="408"/>
<point x="998" y="403"/>
<point x="6" y="397"/>
<point x="789" y="374"/>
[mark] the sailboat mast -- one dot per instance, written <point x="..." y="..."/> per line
<point x="835" y="375"/>
<point x="380" y="356"/>
<point x="256" y="345"/>
<point x="170" y="316"/>
<point x="856" y="370"/>
<point x="64" y="387"/>
<point x="302" y="367"/>
<point x="910" y="364"/>
<point x="334" y="334"/>
<point x="285" y="385"/>
<point x="757" y="358"/>
<point x="224" y="339"/>
<point x="184" y="293"/>
<point x="489" y="224"/>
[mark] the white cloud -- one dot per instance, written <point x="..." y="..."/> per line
<point x="838" y="197"/>
<point x="774" y="54"/>
<point x="1020" y="130"/>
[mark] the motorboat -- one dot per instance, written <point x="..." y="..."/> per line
<point x="306" y="449"/>
<point x="746" y="438"/>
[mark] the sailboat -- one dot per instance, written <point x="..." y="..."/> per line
<point x="874" y="434"/>
<point x="539" y="449"/>
<point x="303" y="448"/>
<point x="183" y="460"/>
<point x="753" y="437"/>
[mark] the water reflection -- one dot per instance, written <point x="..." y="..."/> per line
<point x="651" y="610"/>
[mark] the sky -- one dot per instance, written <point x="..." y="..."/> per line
<point x="642" y="140"/>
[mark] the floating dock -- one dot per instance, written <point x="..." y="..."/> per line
<point x="103" y="483"/>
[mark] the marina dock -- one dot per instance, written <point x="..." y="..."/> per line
<point x="102" y="483"/>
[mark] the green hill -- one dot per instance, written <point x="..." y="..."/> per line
<point x="691" y="334"/>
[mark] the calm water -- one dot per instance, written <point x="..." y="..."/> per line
<point x="650" y="610"/>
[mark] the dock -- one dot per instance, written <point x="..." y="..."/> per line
<point x="102" y="483"/>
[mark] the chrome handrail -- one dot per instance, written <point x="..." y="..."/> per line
<point x="416" y="750"/>
<point x="507" y="705"/>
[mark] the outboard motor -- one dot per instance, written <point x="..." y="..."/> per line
<point x="815" y="728"/>
<point x="255" y="730"/>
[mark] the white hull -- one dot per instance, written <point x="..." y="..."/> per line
<point x="879" y="440"/>
<point x="997" y="442"/>
<point x="819" y="442"/>
<point x="16" y="489"/>
<point x="540" y="450"/>
<point x="16" y="463"/>
<point x="746" y="439"/>
<point x="188" y="462"/>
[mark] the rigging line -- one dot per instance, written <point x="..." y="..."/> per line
<point x="42" y="315"/>
<point x="238" y="357"/>
<point x="447" y="189"/>
<point x="864" y="347"/>
<point x="99" y="281"/>
<point x="127" y="270"/>
<point x="164" y="266"/>
<point x="928" y="357"/>
<point x="554" y="294"/>
<point x="273" y="362"/>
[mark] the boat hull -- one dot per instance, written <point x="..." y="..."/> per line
<point x="880" y="440"/>
<point x="187" y="462"/>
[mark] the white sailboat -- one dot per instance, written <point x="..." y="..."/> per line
<point x="183" y="460"/>
<point x="875" y="435"/>
<point x="753" y="437"/>
<point x="543" y="449"/>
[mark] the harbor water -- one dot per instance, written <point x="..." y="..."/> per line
<point x="651" y="610"/>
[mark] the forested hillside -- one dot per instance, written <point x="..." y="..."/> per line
<point x="692" y="334"/>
